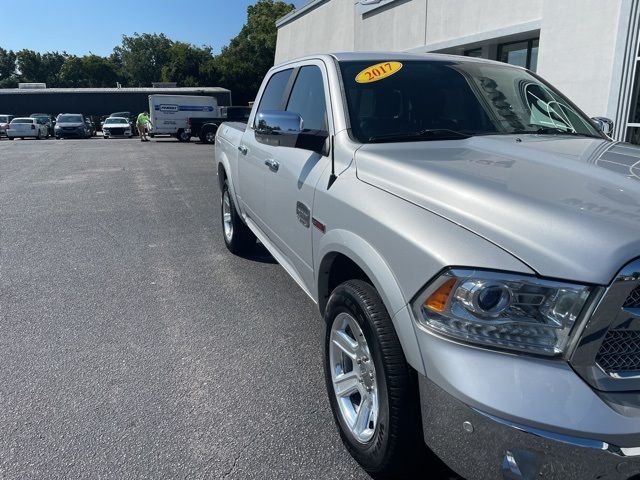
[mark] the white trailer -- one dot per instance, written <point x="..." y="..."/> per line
<point x="169" y="113"/>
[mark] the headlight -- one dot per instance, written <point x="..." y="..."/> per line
<point x="502" y="310"/>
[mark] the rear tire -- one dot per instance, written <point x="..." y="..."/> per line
<point x="238" y="238"/>
<point x="388" y="443"/>
<point x="208" y="134"/>
<point x="183" y="136"/>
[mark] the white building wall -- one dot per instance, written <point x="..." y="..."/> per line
<point x="329" y="27"/>
<point x="455" y="19"/>
<point x="577" y="50"/>
<point x="397" y="27"/>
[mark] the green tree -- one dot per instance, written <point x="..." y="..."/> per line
<point x="142" y="57"/>
<point x="36" y="67"/>
<point x="101" y="71"/>
<point x="242" y="64"/>
<point x="7" y="68"/>
<point x="184" y="64"/>
<point x="72" y="73"/>
<point x="29" y="64"/>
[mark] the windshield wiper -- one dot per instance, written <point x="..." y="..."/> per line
<point x="427" y="134"/>
<point x="552" y="131"/>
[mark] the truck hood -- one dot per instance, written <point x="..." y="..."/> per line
<point x="568" y="207"/>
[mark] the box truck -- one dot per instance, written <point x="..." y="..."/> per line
<point x="170" y="113"/>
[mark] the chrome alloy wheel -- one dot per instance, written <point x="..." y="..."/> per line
<point x="226" y="216"/>
<point x="210" y="136"/>
<point x="354" y="377"/>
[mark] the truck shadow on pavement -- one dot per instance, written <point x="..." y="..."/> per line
<point x="259" y="254"/>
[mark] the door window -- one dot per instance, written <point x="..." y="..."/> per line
<point x="307" y="99"/>
<point x="273" y="95"/>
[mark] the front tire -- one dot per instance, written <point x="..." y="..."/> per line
<point x="238" y="238"/>
<point x="370" y="385"/>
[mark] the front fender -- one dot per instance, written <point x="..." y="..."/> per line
<point x="358" y="250"/>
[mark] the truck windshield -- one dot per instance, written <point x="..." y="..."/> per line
<point x="421" y="100"/>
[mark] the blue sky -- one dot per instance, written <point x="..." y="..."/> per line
<point x="81" y="26"/>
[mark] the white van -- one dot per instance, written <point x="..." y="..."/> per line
<point x="169" y="113"/>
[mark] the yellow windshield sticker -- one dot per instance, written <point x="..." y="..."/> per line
<point x="378" y="72"/>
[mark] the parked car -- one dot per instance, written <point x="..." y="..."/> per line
<point x="71" y="125"/>
<point x="4" y="123"/>
<point x="27" y="127"/>
<point x="471" y="239"/>
<point x="49" y="121"/>
<point x="116" y="127"/>
<point x="128" y="115"/>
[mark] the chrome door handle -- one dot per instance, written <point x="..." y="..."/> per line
<point x="243" y="150"/>
<point x="272" y="164"/>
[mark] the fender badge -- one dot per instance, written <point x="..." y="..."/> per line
<point x="319" y="225"/>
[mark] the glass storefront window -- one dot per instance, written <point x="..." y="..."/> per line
<point x="634" y="114"/>
<point x="633" y="127"/>
<point x="533" y="58"/>
<point x="633" y="135"/>
<point x="523" y="53"/>
<point x="514" y="53"/>
<point x="474" y="52"/>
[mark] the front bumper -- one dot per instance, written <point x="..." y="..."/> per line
<point x="117" y="133"/>
<point x="71" y="133"/>
<point x="482" y="446"/>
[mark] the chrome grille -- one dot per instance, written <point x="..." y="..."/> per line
<point x="620" y="351"/>
<point x="607" y="354"/>
<point x="633" y="300"/>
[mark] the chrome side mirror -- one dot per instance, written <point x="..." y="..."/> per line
<point x="605" y="125"/>
<point x="275" y="122"/>
<point x="286" y="129"/>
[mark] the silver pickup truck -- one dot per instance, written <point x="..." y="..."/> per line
<point x="471" y="239"/>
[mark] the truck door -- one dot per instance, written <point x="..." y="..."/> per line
<point x="252" y="155"/>
<point x="290" y="189"/>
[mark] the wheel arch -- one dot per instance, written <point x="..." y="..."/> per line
<point x="222" y="174"/>
<point x="210" y="125"/>
<point x="225" y="174"/>
<point x="345" y="256"/>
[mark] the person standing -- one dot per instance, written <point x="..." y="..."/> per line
<point x="143" y="121"/>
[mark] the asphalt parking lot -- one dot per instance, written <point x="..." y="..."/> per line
<point x="133" y="344"/>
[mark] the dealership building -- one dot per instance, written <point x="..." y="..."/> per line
<point x="588" y="49"/>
